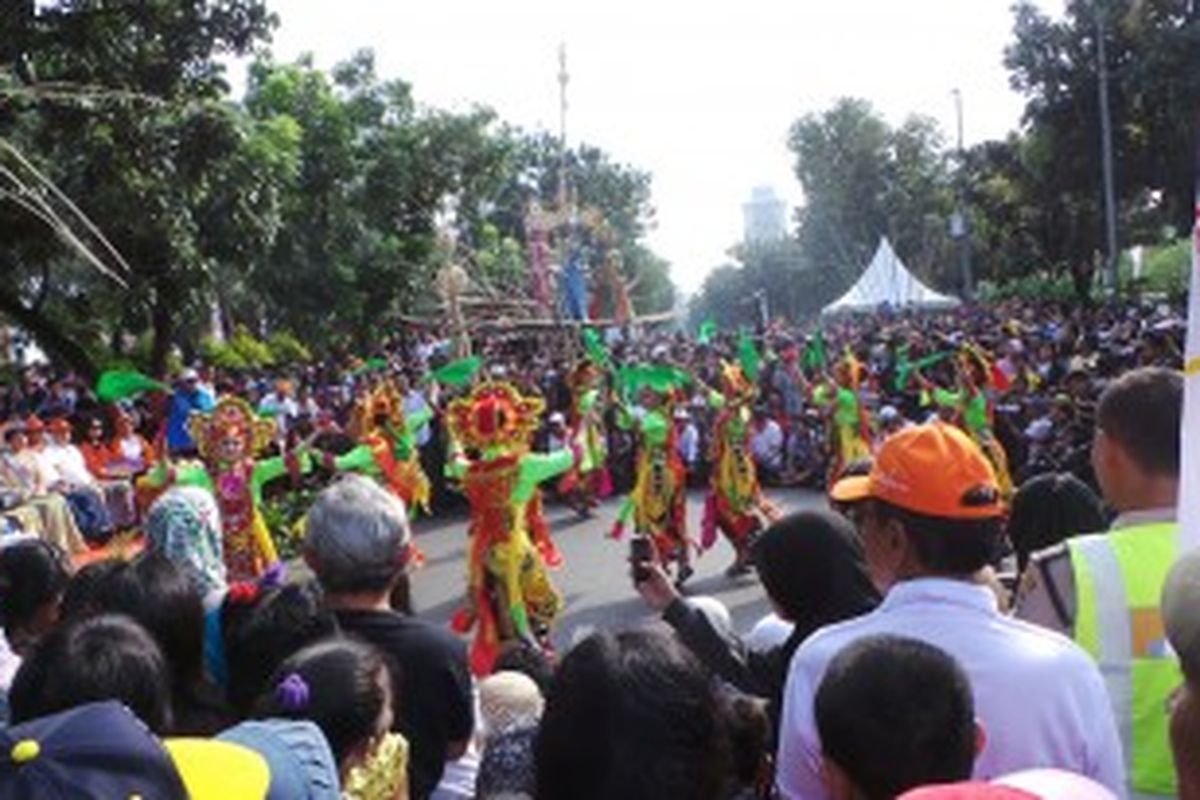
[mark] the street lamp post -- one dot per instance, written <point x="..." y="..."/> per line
<point x="959" y="230"/>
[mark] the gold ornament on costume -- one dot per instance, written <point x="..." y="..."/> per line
<point x="734" y="383"/>
<point x="495" y="414"/>
<point x="230" y="421"/>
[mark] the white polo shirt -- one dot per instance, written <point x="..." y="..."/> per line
<point x="1039" y="697"/>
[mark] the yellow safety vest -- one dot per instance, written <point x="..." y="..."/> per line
<point x="1118" y="580"/>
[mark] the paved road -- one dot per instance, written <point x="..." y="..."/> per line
<point x="594" y="580"/>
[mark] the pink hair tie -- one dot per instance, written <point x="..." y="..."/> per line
<point x="292" y="693"/>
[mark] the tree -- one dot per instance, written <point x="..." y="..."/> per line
<point x="1154" y="63"/>
<point x="863" y="180"/>
<point x="118" y="104"/>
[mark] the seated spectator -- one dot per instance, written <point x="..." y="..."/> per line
<point x="931" y="522"/>
<point x="33" y="576"/>
<point x="129" y="452"/>
<point x="811" y="567"/>
<point x="157" y="594"/>
<point x="110" y="479"/>
<point x="59" y="468"/>
<point x="41" y="512"/>
<point x="184" y="524"/>
<point x="632" y="715"/>
<point x="109" y="657"/>
<point x="894" y="714"/>
<point x="766" y="445"/>
<point x="345" y="688"/>
<point x="359" y="546"/>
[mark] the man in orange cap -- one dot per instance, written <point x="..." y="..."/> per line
<point x="931" y="520"/>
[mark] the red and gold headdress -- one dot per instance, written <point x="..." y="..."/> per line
<point x="231" y="415"/>
<point x="495" y="414"/>
<point x="384" y="399"/>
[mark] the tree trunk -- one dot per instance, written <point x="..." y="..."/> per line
<point x="48" y="335"/>
<point x="163" y="329"/>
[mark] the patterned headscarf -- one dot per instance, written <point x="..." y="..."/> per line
<point x="185" y="525"/>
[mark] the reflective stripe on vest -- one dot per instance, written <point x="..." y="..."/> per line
<point x="1118" y="580"/>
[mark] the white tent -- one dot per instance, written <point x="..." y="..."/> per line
<point x="887" y="280"/>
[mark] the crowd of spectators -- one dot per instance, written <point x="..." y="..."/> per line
<point x="895" y="662"/>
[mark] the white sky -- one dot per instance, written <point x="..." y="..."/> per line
<point x="701" y="95"/>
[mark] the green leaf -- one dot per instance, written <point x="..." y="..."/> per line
<point x="117" y="385"/>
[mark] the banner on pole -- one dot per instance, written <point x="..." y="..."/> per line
<point x="1189" y="473"/>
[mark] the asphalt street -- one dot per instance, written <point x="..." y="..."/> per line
<point x="594" y="579"/>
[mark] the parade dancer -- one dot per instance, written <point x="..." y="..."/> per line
<point x="228" y="440"/>
<point x="972" y="409"/>
<point x="848" y="423"/>
<point x="735" y="504"/>
<point x="585" y="485"/>
<point x="657" y="504"/>
<point x="509" y="593"/>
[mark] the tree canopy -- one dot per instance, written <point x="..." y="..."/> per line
<point x="307" y="207"/>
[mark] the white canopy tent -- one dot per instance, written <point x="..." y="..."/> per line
<point x="887" y="281"/>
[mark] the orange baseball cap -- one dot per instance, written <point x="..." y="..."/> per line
<point x="931" y="470"/>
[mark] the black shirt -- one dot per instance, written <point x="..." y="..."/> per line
<point x="434" y="702"/>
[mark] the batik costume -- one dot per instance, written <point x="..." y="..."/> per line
<point x="657" y="504"/>
<point x="228" y="440"/>
<point x="586" y="484"/>
<point x="735" y="504"/>
<point x="509" y="593"/>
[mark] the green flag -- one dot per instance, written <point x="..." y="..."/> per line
<point x="905" y="368"/>
<point x="458" y="373"/>
<point x="814" y="352"/>
<point x="371" y="365"/>
<point x="595" y="348"/>
<point x="118" y="384"/>
<point x="708" y="329"/>
<point x="749" y="357"/>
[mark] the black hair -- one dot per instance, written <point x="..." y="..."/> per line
<point x="155" y="592"/>
<point x="260" y="634"/>
<point x="346" y="688"/>
<point x="80" y="598"/>
<point x="530" y="661"/>
<point x="894" y="714"/>
<point x="108" y="657"/>
<point x="1048" y="509"/>
<point x="33" y="574"/>
<point x="811" y="565"/>
<point x="749" y="735"/>
<point x="631" y="714"/>
<point x="1142" y="411"/>
<point x="947" y="546"/>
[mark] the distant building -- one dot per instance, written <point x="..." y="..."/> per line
<point x="765" y="217"/>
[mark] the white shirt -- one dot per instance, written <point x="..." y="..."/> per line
<point x="67" y="462"/>
<point x="415" y="403"/>
<point x="688" y="444"/>
<point x="766" y="445"/>
<point x="1039" y="697"/>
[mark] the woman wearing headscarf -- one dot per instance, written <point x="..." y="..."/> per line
<point x="185" y="525"/>
<point x="811" y="566"/>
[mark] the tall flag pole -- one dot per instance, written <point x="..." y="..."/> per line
<point x="1189" y="477"/>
